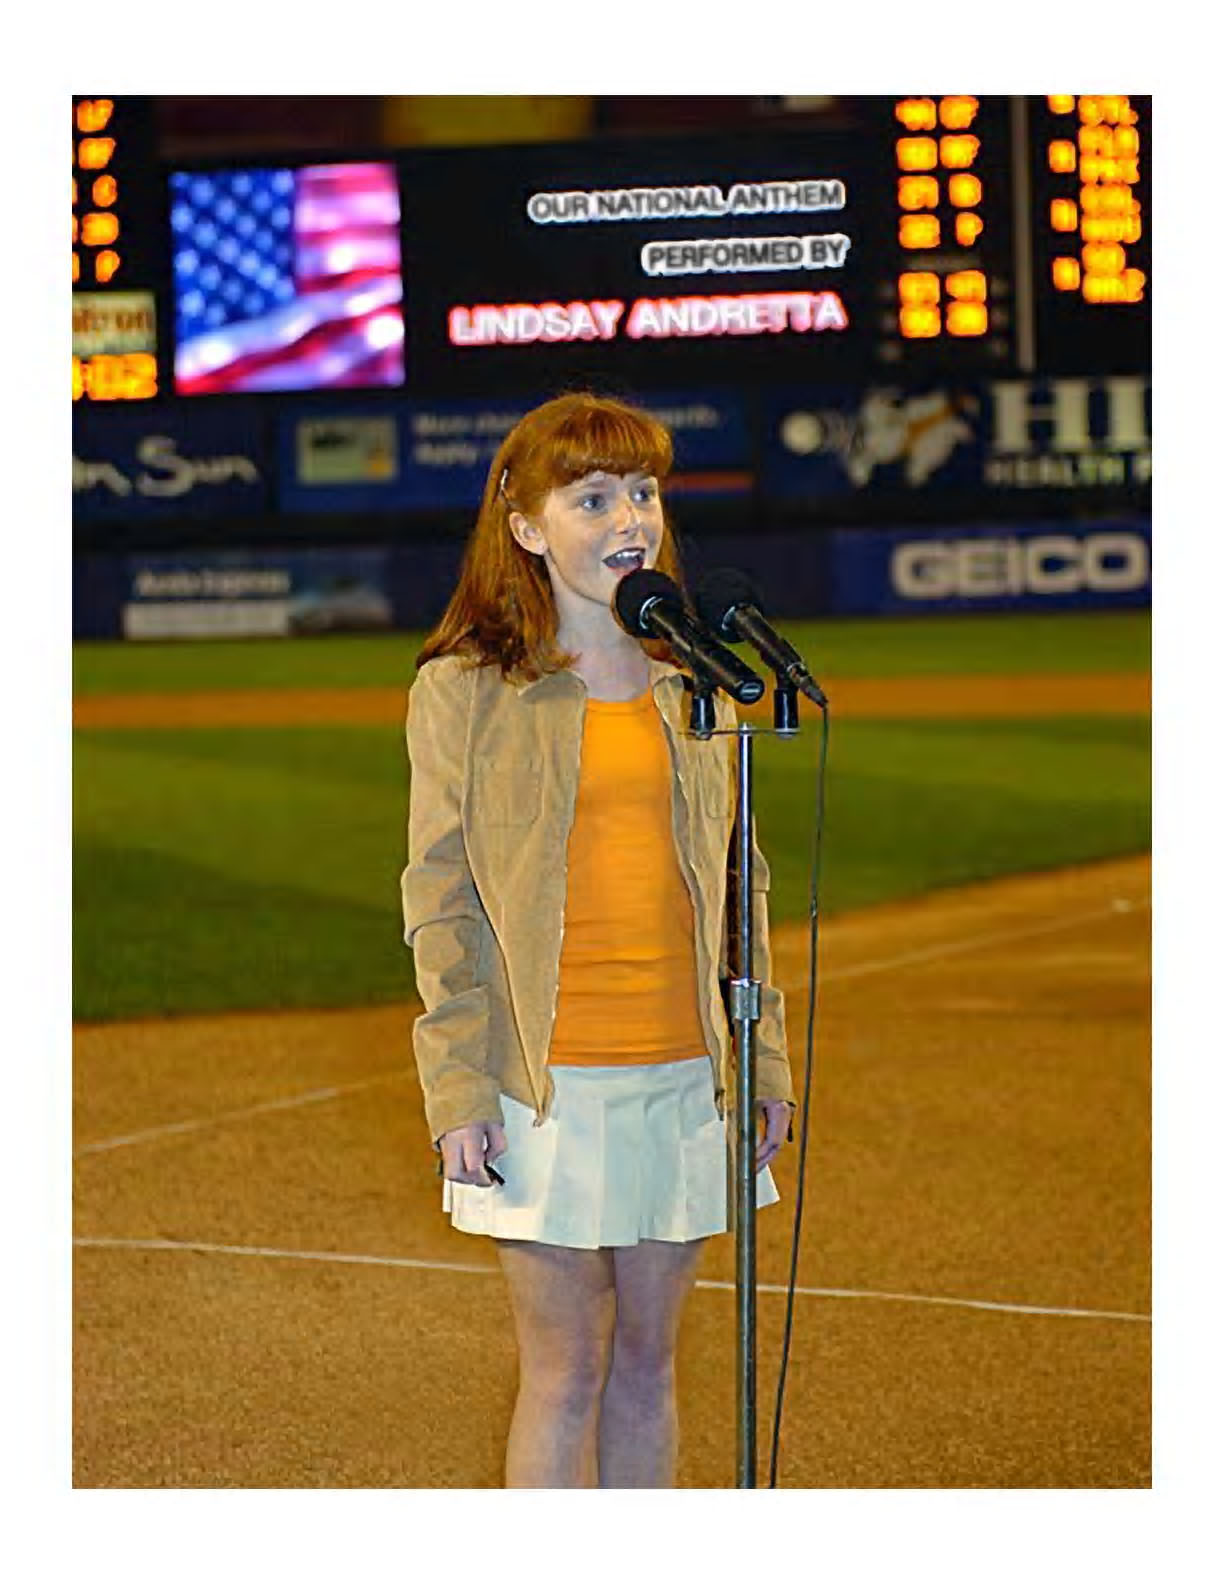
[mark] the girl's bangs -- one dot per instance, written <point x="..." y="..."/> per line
<point x="609" y="441"/>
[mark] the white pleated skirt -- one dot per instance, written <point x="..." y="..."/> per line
<point x="627" y="1153"/>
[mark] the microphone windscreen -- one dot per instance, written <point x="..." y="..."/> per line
<point x="717" y="594"/>
<point x="635" y="590"/>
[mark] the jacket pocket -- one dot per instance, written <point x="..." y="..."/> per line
<point x="507" y="791"/>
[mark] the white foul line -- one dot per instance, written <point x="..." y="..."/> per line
<point x="855" y="971"/>
<point x="975" y="942"/>
<point x="172" y="1245"/>
<point x="310" y="1097"/>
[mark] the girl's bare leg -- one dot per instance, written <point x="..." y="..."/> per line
<point x="564" y="1303"/>
<point x="637" y="1425"/>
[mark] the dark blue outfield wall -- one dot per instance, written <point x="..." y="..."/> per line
<point x="862" y="571"/>
<point x="1048" y="565"/>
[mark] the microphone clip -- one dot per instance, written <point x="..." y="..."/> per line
<point x="702" y="719"/>
<point x="786" y="707"/>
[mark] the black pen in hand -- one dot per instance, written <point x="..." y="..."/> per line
<point x="488" y="1168"/>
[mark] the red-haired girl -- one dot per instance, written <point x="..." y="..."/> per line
<point x="565" y="901"/>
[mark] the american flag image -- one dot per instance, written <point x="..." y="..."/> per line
<point x="287" y="279"/>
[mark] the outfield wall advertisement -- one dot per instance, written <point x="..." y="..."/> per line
<point x="985" y="567"/>
<point x="969" y="443"/>
<point x="436" y="455"/>
<point x="129" y="465"/>
<point x="255" y="595"/>
<point x="955" y="437"/>
<point x="867" y="571"/>
<point x="389" y="457"/>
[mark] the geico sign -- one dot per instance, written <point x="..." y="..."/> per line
<point x="1045" y="564"/>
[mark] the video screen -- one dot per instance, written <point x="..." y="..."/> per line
<point x="287" y="279"/>
<point x="705" y="258"/>
<point x="763" y="257"/>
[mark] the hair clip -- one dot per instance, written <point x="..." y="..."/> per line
<point x="501" y="483"/>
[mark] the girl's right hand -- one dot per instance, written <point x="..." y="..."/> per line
<point x="465" y="1151"/>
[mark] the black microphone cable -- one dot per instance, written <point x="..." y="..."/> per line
<point x="814" y="922"/>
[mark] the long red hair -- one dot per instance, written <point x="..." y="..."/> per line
<point x="502" y="611"/>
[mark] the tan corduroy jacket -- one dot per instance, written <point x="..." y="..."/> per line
<point x="494" y="778"/>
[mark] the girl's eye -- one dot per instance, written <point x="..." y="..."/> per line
<point x="591" y="502"/>
<point x="647" y="492"/>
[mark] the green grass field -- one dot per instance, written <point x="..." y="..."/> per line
<point x="968" y="645"/>
<point x="234" y="868"/>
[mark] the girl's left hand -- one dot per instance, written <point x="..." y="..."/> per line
<point x="776" y="1116"/>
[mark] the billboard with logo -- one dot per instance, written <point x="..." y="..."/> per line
<point x="1045" y="565"/>
<point x="144" y="462"/>
<point x="243" y="594"/>
<point x="958" y="437"/>
<point x="436" y="455"/>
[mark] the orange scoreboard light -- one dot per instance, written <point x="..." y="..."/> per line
<point x="1020" y="227"/>
<point x="1091" y="158"/>
<point x="951" y="237"/>
<point x="1100" y="213"/>
<point x="114" y="313"/>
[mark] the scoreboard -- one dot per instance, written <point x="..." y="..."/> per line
<point x="938" y="235"/>
<point x="1091" y="159"/>
<point x="951" y="223"/>
<point x="116" y="251"/>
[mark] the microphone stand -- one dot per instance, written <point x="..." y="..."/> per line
<point x="744" y="1013"/>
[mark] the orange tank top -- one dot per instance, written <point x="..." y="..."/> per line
<point x="628" y="975"/>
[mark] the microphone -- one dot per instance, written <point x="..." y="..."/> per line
<point x="650" y="605"/>
<point x="729" y="602"/>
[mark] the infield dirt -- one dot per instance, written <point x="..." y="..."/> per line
<point x="1105" y="693"/>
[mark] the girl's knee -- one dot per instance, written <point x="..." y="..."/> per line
<point x="644" y="1359"/>
<point x="569" y="1381"/>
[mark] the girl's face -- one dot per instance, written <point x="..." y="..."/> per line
<point x="583" y="531"/>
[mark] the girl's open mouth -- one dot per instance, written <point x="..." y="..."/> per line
<point x="626" y="560"/>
